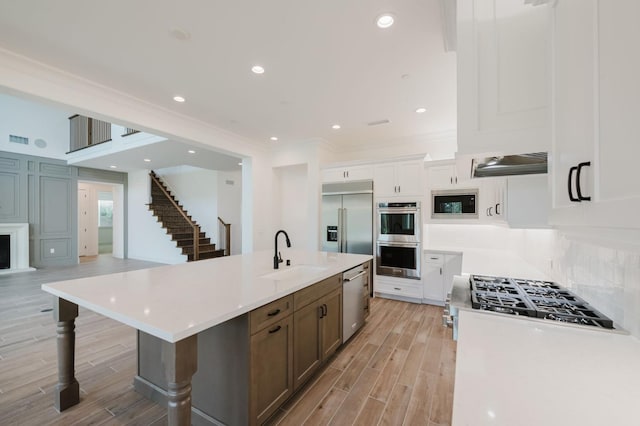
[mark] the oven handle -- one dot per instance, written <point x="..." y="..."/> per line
<point x="398" y="210"/>
<point x="396" y="244"/>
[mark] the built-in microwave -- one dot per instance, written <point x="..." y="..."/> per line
<point x="454" y="204"/>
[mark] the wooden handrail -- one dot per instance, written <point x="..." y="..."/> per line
<point x="196" y="227"/>
<point x="227" y="237"/>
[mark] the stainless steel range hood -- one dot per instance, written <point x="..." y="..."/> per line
<point x="509" y="165"/>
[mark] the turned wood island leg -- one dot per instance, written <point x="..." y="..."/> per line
<point x="67" y="391"/>
<point x="180" y="360"/>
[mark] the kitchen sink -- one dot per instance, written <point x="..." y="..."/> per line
<point x="294" y="272"/>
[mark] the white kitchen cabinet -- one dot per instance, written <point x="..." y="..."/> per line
<point x="404" y="289"/>
<point x="493" y="199"/>
<point x="401" y="179"/>
<point x="527" y="201"/>
<point x="596" y="103"/>
<point x="438" y="272"/>
<point x="347" y="174"/>
<point x="439" y="177"/>
<point x="503" y="79"/>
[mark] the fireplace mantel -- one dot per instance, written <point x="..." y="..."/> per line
<point x="19" y="246"/>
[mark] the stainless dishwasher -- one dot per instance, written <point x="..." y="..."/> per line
<point x="354" y="291"/>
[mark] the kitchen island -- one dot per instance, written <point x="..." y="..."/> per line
<point x="175" y="303"/>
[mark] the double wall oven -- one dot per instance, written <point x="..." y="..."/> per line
<point x="398" y="247"/>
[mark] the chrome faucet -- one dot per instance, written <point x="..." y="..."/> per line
<point x="277" y="257"/>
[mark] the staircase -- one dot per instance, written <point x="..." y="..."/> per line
<point x="175" y="219"/>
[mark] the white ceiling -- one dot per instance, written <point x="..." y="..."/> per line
<point x="326" y="61"/>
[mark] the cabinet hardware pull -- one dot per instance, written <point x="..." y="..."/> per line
<point x="578" y="189"/>
<point x="451" y="179"/>
<point x="440" y="271"/>
<point x="399" y="190"/>
<point x="456" y="179"/>
<point x="320" y="312"/>
<point x="434" y="258"/>
<point x="274" y="313"/>
<point x="490" y="208"/>
<point x="326" y="310"/>
<point x="275" y="330"/>
<point x="570" y="188"/>
<point x="497" y="205"/>
<point x="397" y="288"/>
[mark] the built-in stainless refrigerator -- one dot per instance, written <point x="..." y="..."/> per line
<point x="347" y="217"/>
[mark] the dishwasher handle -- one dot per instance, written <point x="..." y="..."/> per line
<point x="355" y="276"/>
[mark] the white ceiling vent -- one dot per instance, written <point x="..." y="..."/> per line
<point x="19" y="139"/>
<point x="377" y="123"/>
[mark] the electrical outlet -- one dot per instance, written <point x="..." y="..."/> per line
<point x="52" y="250"/>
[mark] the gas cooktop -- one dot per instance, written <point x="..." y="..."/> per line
<point x="533" y="298"/>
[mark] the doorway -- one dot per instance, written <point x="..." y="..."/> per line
<point x="100" y="220"/>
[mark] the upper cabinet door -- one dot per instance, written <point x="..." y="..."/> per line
<point x="619" y="100"/>
<point x="596" y="100"/>
<point x="574" y="82"/>
<point x="346" y="174"/>
<point x="503" y="78"/>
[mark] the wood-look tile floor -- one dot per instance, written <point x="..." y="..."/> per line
<point x="398" y="370"/>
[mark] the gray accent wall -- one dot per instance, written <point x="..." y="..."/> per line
<point x="44" y="193"/>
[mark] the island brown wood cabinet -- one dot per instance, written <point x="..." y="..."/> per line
<point x="317" y="325"/>
<point x="250" y="365"/>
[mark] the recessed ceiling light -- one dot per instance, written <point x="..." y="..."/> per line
<point x="257" y="69"/>
<point x="146" y="160"/>
<point x="179" y="99"/>
<point x="274" y="138"/>
<point x="385" y="20"/>
<point x="191" y="151"/>
<point x="421" y="110"/>
<point x="335" y="126"/>
<point x="113" y="167"/>
<point x="179" y="34"/>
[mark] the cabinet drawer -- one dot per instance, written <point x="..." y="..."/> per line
<point x="434" y="257"/>
<point x="271" y="313"/>
<point x="400" y="290"/>
<point x="312" y="293"/>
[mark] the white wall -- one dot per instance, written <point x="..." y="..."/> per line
<point x="230" y="206"/>
<point x="197" y="190"/>
<point x="291" y="206"/>
<point x="147" y="239"/>
<point x="36" y="121"/>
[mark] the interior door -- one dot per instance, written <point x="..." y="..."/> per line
<point x="331" y="205"/>
<point x="358" y="223"/>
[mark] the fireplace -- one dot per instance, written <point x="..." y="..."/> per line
<point x="5" y="251"/>
<point x="14" y="247"/>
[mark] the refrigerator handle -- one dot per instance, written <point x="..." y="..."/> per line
<point x="339" y="230"/>
<point x="344" y="231"/>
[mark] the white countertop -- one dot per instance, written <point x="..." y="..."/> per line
<point x="176" y="301"/>
<point x="518" y="372"/>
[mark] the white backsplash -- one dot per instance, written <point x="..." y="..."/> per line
<point x="605" y="276"/>
<point x="603" y="273"/>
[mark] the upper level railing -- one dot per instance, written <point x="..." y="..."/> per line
<point x="128" y="131"/>
<point x="87" y="131"/>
